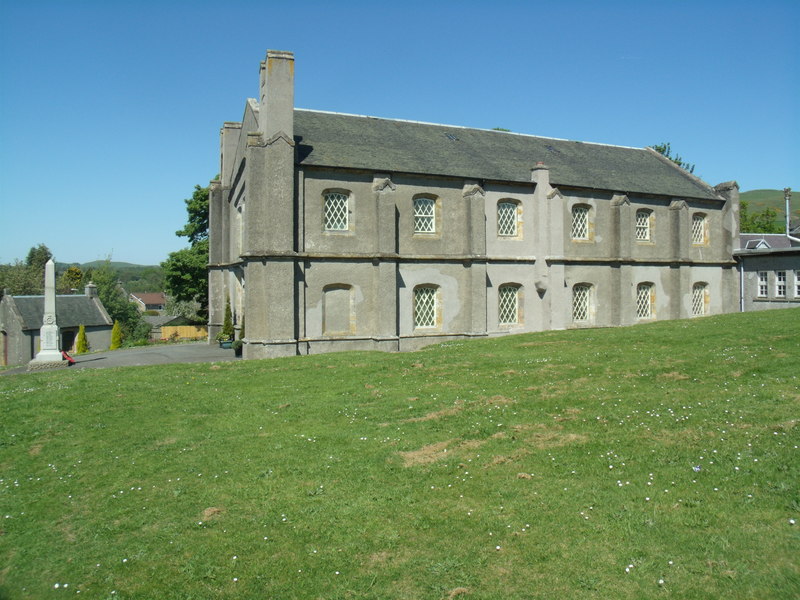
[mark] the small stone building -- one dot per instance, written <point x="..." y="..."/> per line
<point x="336" y="232"/>
<point x="769" y="265"/>
<point x="21" y="320"/>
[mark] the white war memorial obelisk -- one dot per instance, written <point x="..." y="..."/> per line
<point x="49" y="334"/>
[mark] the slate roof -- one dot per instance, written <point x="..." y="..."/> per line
<point x="751" y="241"/>
<point x="71" y="311"/>
<point x="385" y="145"/>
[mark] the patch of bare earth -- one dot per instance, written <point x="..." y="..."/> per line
<point x="456" y="592"/>
<point x="35" y="450"/>
<point x="673" y="375"/>
<point x="437" y="414"/>
<point x="425" y="455"/>
<point x="212" y="512"/>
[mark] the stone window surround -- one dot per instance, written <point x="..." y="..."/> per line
<point x="700" y="299"/>
<point x="643" y="226"/>
<point x="509" y="218"/>
<point x="582" y="222"/>
<point x="763" y="284"/>
<point x="645" y="300"/>
<point x="421" y="203"/>
<point x="426" y="306"/>
<point x="780" y="284"/>
<point x="700" y="235"/>
<point x="509" y="297"/>
<point x="582" y="302"/>
<point x="336" y="209"/>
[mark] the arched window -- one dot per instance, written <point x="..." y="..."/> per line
<point x="643" y="225"/>
<point x="508" y="218"/>
<point x="645" y="301"/>
<point x="699" y="229"/>
<point x="508" y="296"/>
<point x="424" y="215"/>
<point x="581" y="222"/>
<point x="336" y="211"/>
<point x="581" y="302"/>
<point x="426" y="306"/>
<point x="699" y="299"/>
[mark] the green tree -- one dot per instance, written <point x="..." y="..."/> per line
<point x="186" y="271"/>
<point x="118" y="306"/>
<point x="116" y="336"/>
<point x="81" y="344"/>
<point x="71" y="279"/>
<point x="26" y="278"/>
<point x="197" y="208"/>
<point x="666" y="151"/>
<point x="227" y="322"/>
<point x="38" y="256"/>
<point x="760" y="222"/>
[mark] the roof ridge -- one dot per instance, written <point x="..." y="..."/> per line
<point x="541" y="137"/>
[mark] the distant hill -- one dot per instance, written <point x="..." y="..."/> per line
<point x="758" y="200"/>
<point x="134" y="278"/>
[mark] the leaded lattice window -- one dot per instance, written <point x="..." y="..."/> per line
<point x="580" y="222"/>
<point x="336" y="211"/>
<point x="780" y="284"/>
<point x="424" y="215"/>
<point x="643" y="225"/>
<point x="508" y="304"/>
<point x="763" y="286"/>
<point x="698" y="228"/>
<point x="580" y="302"/>
<point x="425" y="306"/>
<point x="699" y="291"/>
<point x="797" y="284"/>
<point x="644" y="301"/>
<point x="506" y="218"/>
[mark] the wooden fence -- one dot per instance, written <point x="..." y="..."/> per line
<point x="184" y="332"/>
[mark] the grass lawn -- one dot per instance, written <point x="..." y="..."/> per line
<point x="655" y="461"/>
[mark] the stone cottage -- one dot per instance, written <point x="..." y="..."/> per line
<point x="341" y="232"/>
<point x="21" y="320"/>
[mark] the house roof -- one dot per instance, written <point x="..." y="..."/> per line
<point x="150" y="297"/>
<point x="359" y="142"/>
<point x="71" y="311"/>
<point x="752" y="241"/>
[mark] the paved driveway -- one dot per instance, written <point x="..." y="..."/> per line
<point x="147" y="355"/>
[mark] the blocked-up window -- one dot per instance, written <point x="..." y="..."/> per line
<point x="337" y="309"/>
<point x="643" y="225"/>
<point x="581" y="302"/>
<point x="780" y="284"/>
<point x="699" y="229"/>
<point x="426" y="306"/>
<point x="424" y="215"/>
<point x="699" y="299"/>
<point x="580" y="222"/>
<point x="508" y="304"/>
<point x="507" y="218"/>
<point x="763" y="286"/>
<point x="336" y="211"/>
<point x="645" y="301"/>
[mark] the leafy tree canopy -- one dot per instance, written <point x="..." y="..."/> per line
<point x="26" y="278"/>
<point x="197" y="208"/>
<point x="186" y="271"/>
<point x="760" y="222"/>
<point x="38" y="256"/>
<point x="186" y="275"/>
<point x="666" y="151"/>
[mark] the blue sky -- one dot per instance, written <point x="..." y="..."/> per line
<point x="110" y="111"/>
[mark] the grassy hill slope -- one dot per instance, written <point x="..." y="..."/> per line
<point x="760" y="199"/>
<point x="656" y="461"/>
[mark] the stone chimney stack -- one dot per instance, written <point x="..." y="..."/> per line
<point x="90" y="290"/>
<point x="276" y="97"/>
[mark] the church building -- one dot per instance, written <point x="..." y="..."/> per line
<point x="336" y="232"/>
